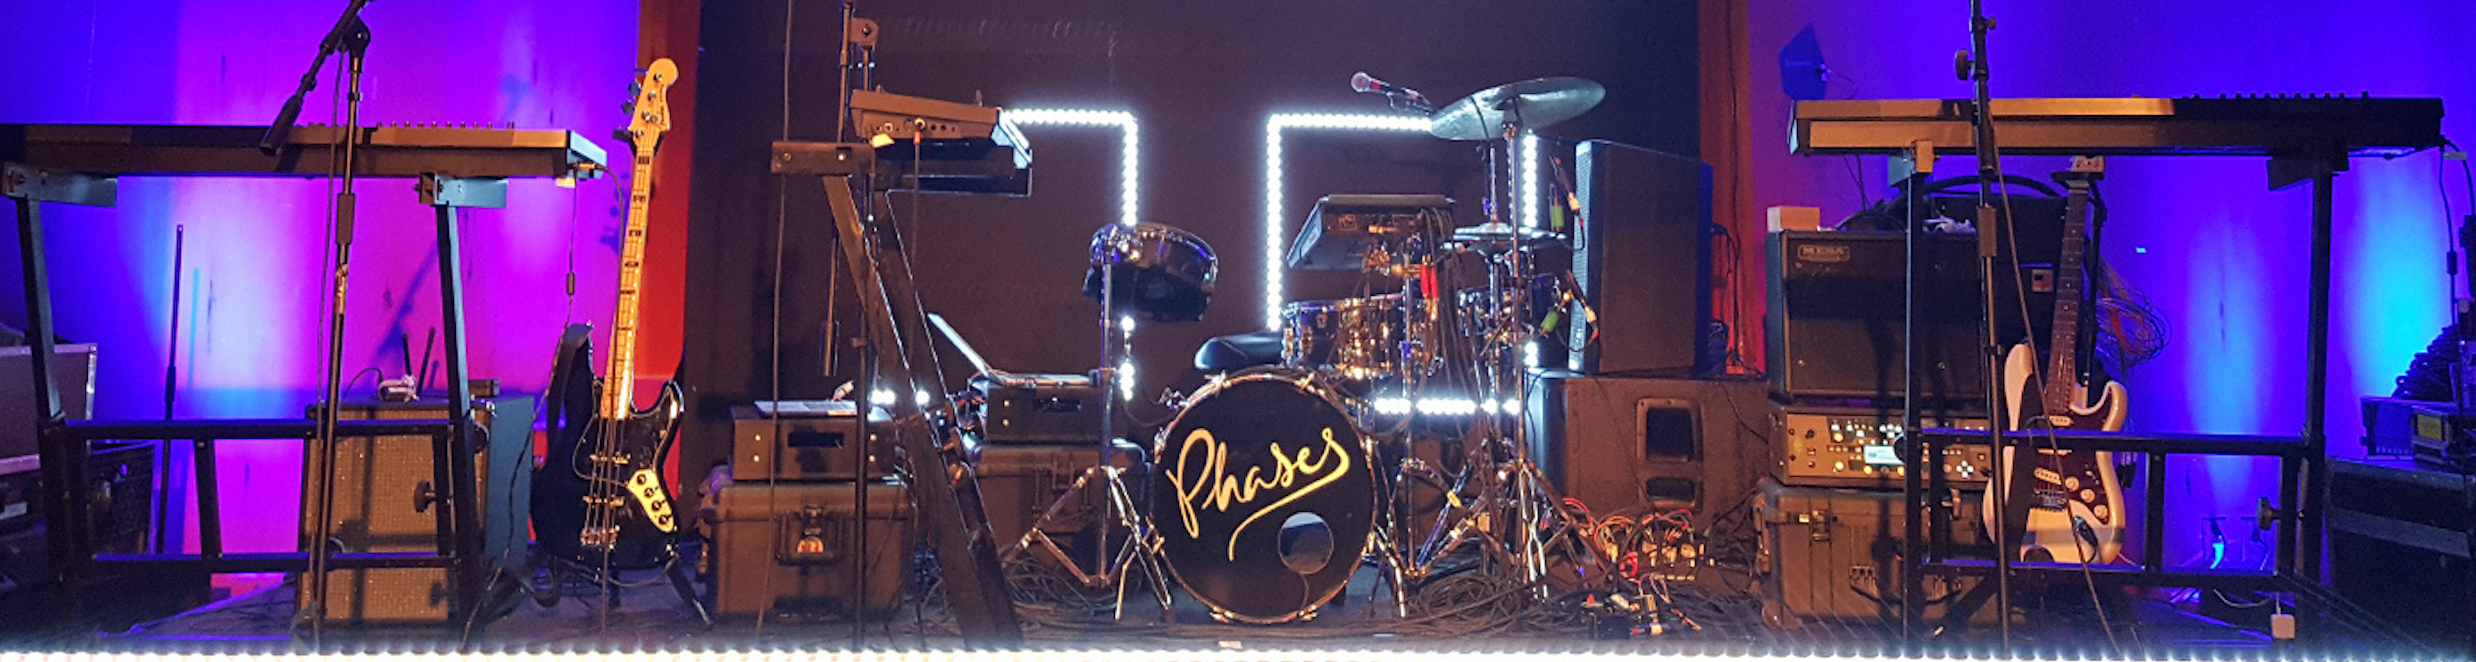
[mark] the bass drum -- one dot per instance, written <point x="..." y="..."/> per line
<point x="1264" y="495"/>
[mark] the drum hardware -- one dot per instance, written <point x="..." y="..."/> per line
<point x="1165" y="273"/>
<point x="1142" y="551"/>
<point x="1510" y="512"/>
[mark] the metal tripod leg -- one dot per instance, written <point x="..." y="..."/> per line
<point x="1119" y="506"/>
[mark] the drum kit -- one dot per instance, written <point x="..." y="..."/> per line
<point x="1274" y="484"/>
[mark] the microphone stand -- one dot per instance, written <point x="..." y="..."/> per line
<point x="352" y="37"/>
<point x="1990" y="226"/>
<point x="348" y="28"/>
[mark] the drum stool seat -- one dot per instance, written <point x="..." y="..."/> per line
<point x="1239" y="351"/>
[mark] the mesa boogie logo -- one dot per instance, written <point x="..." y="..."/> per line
<point x="1202" y="478"/>
<point x="1822" y="253"/>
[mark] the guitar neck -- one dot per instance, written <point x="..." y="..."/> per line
<point x="621" y="373"/>
<point x="2062" y="364"/>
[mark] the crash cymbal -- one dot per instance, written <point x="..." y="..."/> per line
<point x="1530" y="104"/>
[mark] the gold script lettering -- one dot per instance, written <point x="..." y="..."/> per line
<point x="1201" y="479"/>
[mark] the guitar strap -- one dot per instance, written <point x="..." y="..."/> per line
<point x="572" y="354"/>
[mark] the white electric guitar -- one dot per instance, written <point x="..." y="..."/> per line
<point x="2065" y="486"/>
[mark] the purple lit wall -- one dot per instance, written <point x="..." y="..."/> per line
<point x="251" y="336"/>
<point x="2221" y="256"/>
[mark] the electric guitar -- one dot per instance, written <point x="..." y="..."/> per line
<point x="2065" y="486"/>
<point x="600" y="498"/>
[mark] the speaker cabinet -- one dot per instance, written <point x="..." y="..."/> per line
<point x="1837" y="322"/>
<point x="376" y="482"/>
<point x="1636" y="445"/>
<point x="1643" y="258"/>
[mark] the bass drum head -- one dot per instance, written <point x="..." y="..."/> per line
<point x="1264" y="497"/>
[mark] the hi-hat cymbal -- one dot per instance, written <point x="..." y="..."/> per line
<point x="1530" y="104"/>
<point x="1491" y="231"/>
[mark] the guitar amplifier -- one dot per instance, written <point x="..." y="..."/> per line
<point x="1838" y="302"/>
<point x="376" y="482"/>
<point x="805" y="440"/>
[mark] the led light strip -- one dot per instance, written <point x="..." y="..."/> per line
<point x="1274" y="215"/>
<point x="1130" y="137"/>
<point x="1396" y="406"/>
<point x="1273" y="187"/>
<point x="1229" y="651"/>
<point x="1529" y="185"/>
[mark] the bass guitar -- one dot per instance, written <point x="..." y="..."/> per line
<point x="2069" y="491"/>
<point x="600" y="499"/>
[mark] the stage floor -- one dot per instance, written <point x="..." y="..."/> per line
<point x="2058" y="623"/>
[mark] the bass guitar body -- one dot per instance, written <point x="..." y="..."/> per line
<point x="573" y="513"/>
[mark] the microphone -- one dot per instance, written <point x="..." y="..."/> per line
<point x="1364" y="83"/>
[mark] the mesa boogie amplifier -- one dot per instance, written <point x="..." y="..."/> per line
<point x="1853" y="448"/>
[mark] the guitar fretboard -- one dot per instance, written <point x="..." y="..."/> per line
<point x="622" y="370"/>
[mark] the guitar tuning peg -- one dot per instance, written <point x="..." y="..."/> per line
<point x="636" y="89"/>
<point x="629" y="107"/>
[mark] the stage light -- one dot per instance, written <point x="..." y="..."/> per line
<point x="1130" y="138"/>
<point x="881" y="397"/>
<point x="1126" y="379"/>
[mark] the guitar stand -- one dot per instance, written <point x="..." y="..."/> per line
<point x="2301" y="467"/>
<point x="673" y="571"/>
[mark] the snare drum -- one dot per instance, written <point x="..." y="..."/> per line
<point x="1357" y="339"/>
<point x="1264" y="494"/>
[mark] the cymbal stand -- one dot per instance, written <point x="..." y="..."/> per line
<point x="1514" y="513"/>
